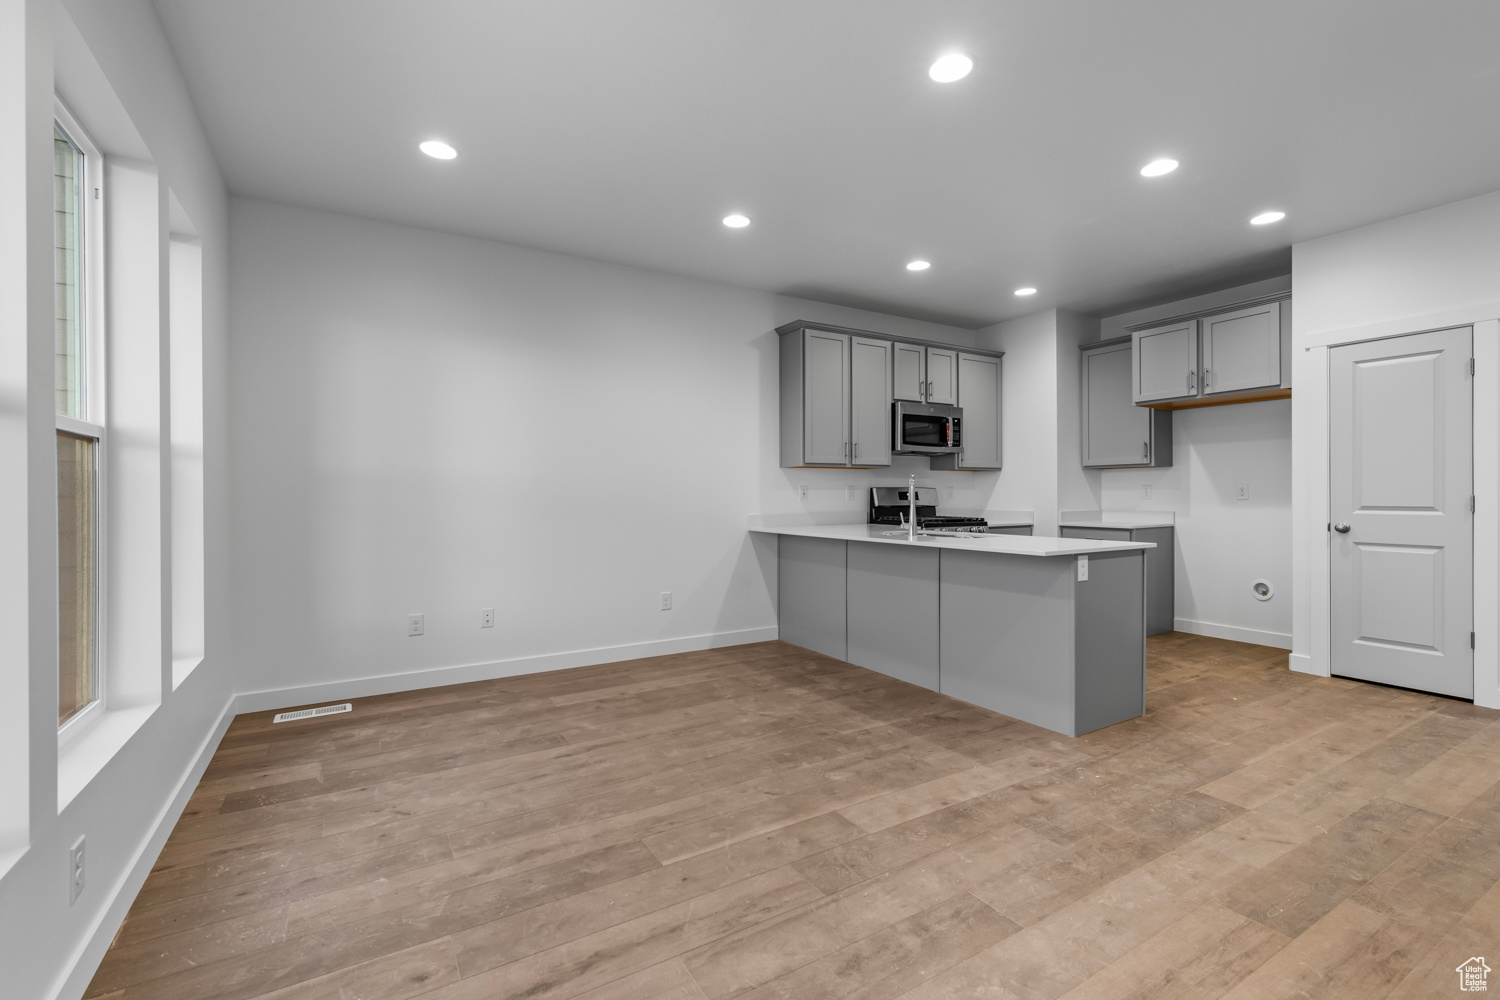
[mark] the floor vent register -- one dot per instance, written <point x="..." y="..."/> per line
<point x="313" y="713"/>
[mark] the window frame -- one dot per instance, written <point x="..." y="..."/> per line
<point x="92" y="345"/>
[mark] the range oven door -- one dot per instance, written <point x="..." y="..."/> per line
<point x="926" y="428"/>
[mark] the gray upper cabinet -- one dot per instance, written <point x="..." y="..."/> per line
<point x="825" y="398"/>
<point x="1116" y="432"/>
<point x="910" y="372"/>
<point x="815" y="410"/>
<point x="942" y="376"/>
<point x="1242" y="349"/>
<point x="870" y="401"/>
<point x="979" y="394"/>
<point x="838" y="386"/>
<point x="1165" y="362"/>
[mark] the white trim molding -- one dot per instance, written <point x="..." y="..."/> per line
<point x="414" y="680"/>
<point x="1260" y="637"/>
<point x="1487" y="513"/>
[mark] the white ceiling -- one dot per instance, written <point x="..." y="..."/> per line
<point x="624" y="131"/>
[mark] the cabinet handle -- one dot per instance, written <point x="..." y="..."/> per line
<point x="1190" y="381"/>
<point x="1145" y="449"/>
<point x="1208" y="378"/>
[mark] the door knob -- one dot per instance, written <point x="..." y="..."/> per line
<point x="1342" y="527"/>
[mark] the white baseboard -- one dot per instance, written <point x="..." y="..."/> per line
<point x="1303" y="664"/>
<point x="1279" y="640"/>
<point x="412" y="680"/>
<point x="86" y="960"/>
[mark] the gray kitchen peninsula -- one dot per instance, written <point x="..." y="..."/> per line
<point x="1050" y="631"/>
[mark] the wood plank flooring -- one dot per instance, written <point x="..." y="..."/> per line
<point x="763" y="822"/>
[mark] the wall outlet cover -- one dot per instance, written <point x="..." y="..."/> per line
<point x="802" y="491"/>
<point x="666" y="600"/>
<point x="1146" y="491"/>
<point x="1242" y="491"/>
<point x="851" y="492"/>
<point x="416" y="624"/>
<point x="1083" y="568"/>
<point x="486" y="617"/>
<point x="75" y="871"/>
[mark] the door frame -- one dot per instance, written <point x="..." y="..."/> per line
<point x="1312" y="547"/>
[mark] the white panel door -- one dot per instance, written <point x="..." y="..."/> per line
<point x="910" y="365"/>
<point x="870" y="390"/>
<point x="1165" y="362"/>
<point x="1242" y="349"/>
<point x="979" y="386"/>
<point x="1400" y="481"/>
<point x="825" y="398"/>
<point x="942" y="376"/>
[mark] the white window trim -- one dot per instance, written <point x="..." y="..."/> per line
<point x="93" y="347"/>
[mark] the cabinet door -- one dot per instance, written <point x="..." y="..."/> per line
<point x="825" y="398"/>
<point x="1165" y="362"/>
<point x="870" y="391"/>
<point x="1116" y="432"/>
<point x="942" y="376"/>
<point x="1242" y="349"/>
<point x="979" y="395"/>
<point x="910" y="365"/>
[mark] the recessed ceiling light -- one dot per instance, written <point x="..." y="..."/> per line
<point x="1028" y="290"/>
<point x="1266" y="218"/>
<point x="736" y="221"/>
<point x="1158" y="167"/>
<point x="950" y="67"/>
<point x="918" y="265"/>
<point x="438" y="150"/>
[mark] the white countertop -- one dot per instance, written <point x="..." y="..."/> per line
<point x="1013" y="545"/>
<point x="1116" y="519"/>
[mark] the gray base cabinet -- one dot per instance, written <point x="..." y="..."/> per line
<point x="1014" y="529"/>
<point x="893" y="612"/>
<point x="1019" y="635"/>
<point x="1161" y="595"/>
<point x="1023" y="637"/>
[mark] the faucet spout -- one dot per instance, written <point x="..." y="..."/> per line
<point x="911" y="500"/>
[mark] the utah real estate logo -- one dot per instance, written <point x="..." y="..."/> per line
<point x="1471" y="975"/>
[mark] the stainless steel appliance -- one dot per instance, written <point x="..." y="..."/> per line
<point x="926" y="428"/>
<point x="890" y="504"/>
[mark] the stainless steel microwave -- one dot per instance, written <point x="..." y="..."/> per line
<point x="926" y="428"/>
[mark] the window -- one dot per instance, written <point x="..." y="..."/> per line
<point x="78" y="365"/>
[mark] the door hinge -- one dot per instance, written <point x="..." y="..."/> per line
<point x="1471" y="366"/>
<point x="1471" y="640"/>
<point x="1330" y="526"/>
<point x="1471" y="503"/>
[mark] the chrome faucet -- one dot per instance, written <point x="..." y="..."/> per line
<point x="911" y="517"/>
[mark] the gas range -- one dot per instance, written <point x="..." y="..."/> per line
<point x="890" y="504"/>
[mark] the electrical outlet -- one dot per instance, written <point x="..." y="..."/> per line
<point x="1242" y="491"/>
<point x="486" y="617"/>
<point x="415" y="624"/>
<point x="1145" y="491"/>
<point x="75" y="872"/>
<point x="1083" y="568"/>
<point x="851" y="492"/>
<point x="948" y="493"/>
<point x="802" y="492"/>
<point x="666" y="600"/>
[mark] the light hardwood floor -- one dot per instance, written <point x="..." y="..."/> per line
<point x="764" y="822"/>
